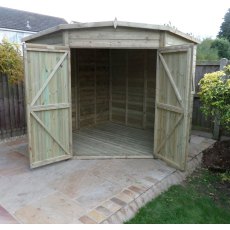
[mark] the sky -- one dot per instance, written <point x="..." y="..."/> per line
<point x="201" y="18"/>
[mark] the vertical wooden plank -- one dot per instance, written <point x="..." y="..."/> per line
<point x="7" y="106"/>
<point x="16" y="108"/>
<point x="22" y="101"/>
<point x="27" y="94"/>
<point x="187" y="107"/>
<point x="78" y="91"/>
<point x="95" y="87"/>
<point x="192" y="90"/>
<point x="162" y="38"/>
<point x="126" y="85"/>
<point x="74" y="89"/>
<point x="156" y="122"/>
<point x="74" y="55"/>
<point x="17" y="114"/>
<point x="151" y="87"/>
<point x="69" y="100"/>
<point x="168" y="94"/>
<point x="65" y="38"/>
<point x="145" y="88"/>
<point x="110" y="85"/>
<point x="73" y="93"/>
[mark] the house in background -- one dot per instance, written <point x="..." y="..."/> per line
<point x="17" y="24"/>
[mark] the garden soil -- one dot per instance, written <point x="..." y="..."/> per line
<point x="217" y="158"/>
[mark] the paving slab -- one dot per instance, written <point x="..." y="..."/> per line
<point x="83" y="191"/>
<point x="6" y="217"/>
<point x="55" y="208"/>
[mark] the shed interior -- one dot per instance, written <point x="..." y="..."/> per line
<point x="113" y="102"/>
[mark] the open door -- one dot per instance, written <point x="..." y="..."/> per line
<point x="172" y="110"/>
<point x="47" y="78"/>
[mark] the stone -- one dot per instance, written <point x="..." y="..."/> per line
<point x="87" y="220"/>
<point x="96" y="216"/>
<point x="124" y="197"/>
<point x="118" y="201"/>
<point x="104" y="211"/>
<point x="111" y="206"/>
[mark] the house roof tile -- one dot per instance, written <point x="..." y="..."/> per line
<point x="27" y="21"/>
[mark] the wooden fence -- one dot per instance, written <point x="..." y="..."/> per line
<point x="198" y="119"/>
<point x="12" y="108"/>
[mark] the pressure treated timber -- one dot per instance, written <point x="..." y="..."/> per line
<point x="114" y="70"/>
<point x="109" y="140"/>
<point x="110" y="24"/>
<point x="91" y="89"/>
<point x="172" y="117"/>
<point x="172" y="39"/>
<point x="112" y="38"/>
<point x="116" y="85"/>
<point x="48" y="103"/>
<point x="133" y="87"/>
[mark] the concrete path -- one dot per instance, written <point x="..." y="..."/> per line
<point x="83" y="191"/>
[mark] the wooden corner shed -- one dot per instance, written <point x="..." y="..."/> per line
<point x="109" y="90"/>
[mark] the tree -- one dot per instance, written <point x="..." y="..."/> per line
<point x="223" y="47"/>
<point x="225" y="27"/>
<point x="206" y="52"/>
<point x="11" y="63"/>
<point x="215" y="96"/>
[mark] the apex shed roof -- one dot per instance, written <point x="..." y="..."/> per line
<point x="27" y="21"/>
<point x="115" y="24"/>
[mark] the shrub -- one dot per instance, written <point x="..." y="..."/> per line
<point x="215" y="96"/>
<point x="11" y="63"/>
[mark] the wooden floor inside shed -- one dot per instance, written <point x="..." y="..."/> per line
<point x="110" y="140"/>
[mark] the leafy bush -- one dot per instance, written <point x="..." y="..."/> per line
<point x="11" y="63"/>
<point x="215" y="96"/>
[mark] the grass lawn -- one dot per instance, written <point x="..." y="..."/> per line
<point x="203" y="198"/>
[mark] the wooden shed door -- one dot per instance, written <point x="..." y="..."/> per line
<point x="172" y="112"/>
<point x="47" y="75"/>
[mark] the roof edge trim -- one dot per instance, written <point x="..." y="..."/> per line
<point x="108" y="24"/>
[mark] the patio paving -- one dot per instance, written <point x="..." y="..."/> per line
<point x="83" y="191"/>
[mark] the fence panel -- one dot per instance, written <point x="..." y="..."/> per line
<point x="199" y="121"/>
<point x="12" y="108"/>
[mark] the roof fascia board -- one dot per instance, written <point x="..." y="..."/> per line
<point x="108" y="24"/>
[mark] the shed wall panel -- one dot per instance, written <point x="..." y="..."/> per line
<point x="133" y="87"/>
<point x="113" y="34"/>
<point x="114" y="38"/>
<point x="116" y="85"/>
<point x="90" y="87"/>
<point x="49" y="39"/>
<point x="173" y="39"/>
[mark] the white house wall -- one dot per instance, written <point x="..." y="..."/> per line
<point x="13" y="36"/>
